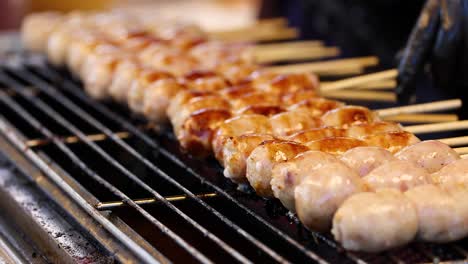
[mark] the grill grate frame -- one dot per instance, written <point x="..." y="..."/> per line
<point x="64" y="103"/>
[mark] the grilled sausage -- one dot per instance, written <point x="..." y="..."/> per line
<point x="322" y="191"/>
<point x="236" y="149"/>
<point x="364" y="159"/>
<point x="442" y="213"/>
<point x="430" y="155"/>
<point x="287" y="175"/>
<point x="262" y="159"/>
<point x="374" y="222"/>
<point x="401" y="175"/>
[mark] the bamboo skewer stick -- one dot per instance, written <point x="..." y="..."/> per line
<point x="289" y="45"/>
<point x="114" y="204"/>
<point x="380" y="85"/>
<point x="422" y="118"/>
<point x="326" y="66"/>
<point x="440" y="127"/>
<point x="362" y="95"/>
<point x="256" y="34"/>
<point x="280" y="34"/>
<point x="269" y="25"/>
<point x="73" y="139"/>
<point x="348" y="71"/>
<point x="292" y="54"/>
<point x="276" y="21"/>
<point x="290" y="51"/>
<point x="421" y="108"/>
<point x="455" y="141"/>
<point x="359" y="80"/>
<point x="377" y="85"/>
<point x="462" y="151"/>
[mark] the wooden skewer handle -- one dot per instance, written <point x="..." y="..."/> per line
<point x="326" y="66"/>
<point x="377" y="85"/>
<point x="360" y="80"/>
<point x="455" y="141"/>
<point x="306" y="53"/>
<point x="422" y="118"/>
<point x="259" y="34"/>
<point x="461" y="150"/>
<point x="275" y="22"/>
<point x="380" y="85"/>
<point x="349" y="71"/>
<point x="421" y="108"/>
<point x="440" y="127"/>
<point x="288" y="45"/>
<point x="257" y="27"/>
<point x="371" y="96"/>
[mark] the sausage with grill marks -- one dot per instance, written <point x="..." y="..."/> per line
<point x="287" y="175"/>
<point x="260" y="162"/>
<point x="391" y="141"/>
<point x="235" y="153"/>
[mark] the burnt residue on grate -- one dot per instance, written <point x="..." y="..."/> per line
<point x="227" y="225"/>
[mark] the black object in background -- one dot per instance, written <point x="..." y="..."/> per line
<point x="362" y="28"/>
<point x="439" y="40"/>
<point x="359" y="27"/>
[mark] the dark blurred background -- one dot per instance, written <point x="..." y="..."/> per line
<point x="362" y="28"/>
<point x="359" y="27"/>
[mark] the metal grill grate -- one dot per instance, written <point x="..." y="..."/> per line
<point x="183" y="207"/>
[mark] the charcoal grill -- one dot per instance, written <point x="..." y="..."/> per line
<point x="131" y="195"/>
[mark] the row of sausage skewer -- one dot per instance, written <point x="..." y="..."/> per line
<point x="147" y="42"/>
<point x="340" y="167"/>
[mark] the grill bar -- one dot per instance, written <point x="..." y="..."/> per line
<point x="83" y="166"/>
<point x="133" y="152"/>
<point x="105" y="131"/>
<point x="74" y="89"/>
<point x="8" y="253"/>
<point x="57" y="117"/>
<point x="232" y="225"/>
<point x="462" y="251"/>
<point x="110" y="205"/>
<point x="72" y="139"/>
<point x="74" y="108"/>
<point x="8" y="130"/>
<point x="102" y="129"/>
